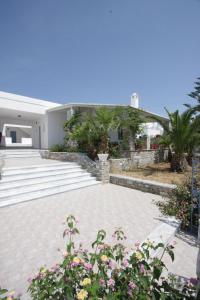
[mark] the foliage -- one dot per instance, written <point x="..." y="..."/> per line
<point x="114" y="150"/>
<point x="91" y="130"/>
<point x="178" y="204"/>
<point x="108" y="272"/>
<point x="129" y="120"/>
<point x="58" y="148"/>
<point x="181" y="135"/>
<point x="196" y="95"/>
<point x="6" y="295"/>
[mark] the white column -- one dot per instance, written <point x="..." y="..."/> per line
<point x="148" y="142"/>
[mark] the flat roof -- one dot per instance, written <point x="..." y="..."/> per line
<point x="29" y="100"/>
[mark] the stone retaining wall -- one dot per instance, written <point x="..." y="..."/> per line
<point x="144" y="157"/>
<point x="148" y="186"/>
<point x="136" y="159"/>
<point x="80" y="158"/>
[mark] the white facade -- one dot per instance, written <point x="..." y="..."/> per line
<point x="29" y="122"/>
<point x="24" y="121"/>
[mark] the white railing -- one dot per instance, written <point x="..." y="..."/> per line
<point x="25" y="142"/>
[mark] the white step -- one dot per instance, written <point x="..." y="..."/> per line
<point x="26" y="182"/>
<point x="50" y="191"/>
<point x="38" y="168"/>
<point x="19" y="184"/>
<point x="57" y="163"/>
<point x="22" y="153"/>
<point x="45" y="173"/>
<point x="21" y="156"/>
<point x="42" y="186"/>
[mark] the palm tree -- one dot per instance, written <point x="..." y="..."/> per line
<point x="196" y="95"/>
<point x="181" y="135"/>
<point x="92" y="129"/>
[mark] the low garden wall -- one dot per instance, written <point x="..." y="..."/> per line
<point x="132" y="159"/>
<point x="148" y="186"/>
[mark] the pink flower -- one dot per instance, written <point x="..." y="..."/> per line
<point x="125" y="263"/>
<point x="111" y="283"/>
<point x="88" y="266"/>
<point x="132" y="285"/>
<point x="102" y="282"/>
<point x="110" y="264"/>
<point x="30" y="280"/>
<point x="142" y="268"/>
<point x="65" y="254"/>
<point x="55" y="268"/>
<point x="137" y="244"/>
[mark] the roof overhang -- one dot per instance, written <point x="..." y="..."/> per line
<point x="148" y="116"/>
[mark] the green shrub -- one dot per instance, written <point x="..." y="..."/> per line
<point x="178" y="204"/>
<point x="114" y="150"/>
<point x="108" y="272"/>
<point x="58" y="148"/>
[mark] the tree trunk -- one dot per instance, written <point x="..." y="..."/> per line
<point x="103" y="147"/>
<point x="179" y="163"/>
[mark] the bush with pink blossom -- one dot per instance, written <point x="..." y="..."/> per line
<point x="107" y="272"/>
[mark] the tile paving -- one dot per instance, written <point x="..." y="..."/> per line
<point x="31" y="232"/>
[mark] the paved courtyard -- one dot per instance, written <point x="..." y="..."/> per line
<point x="31" y="232"/>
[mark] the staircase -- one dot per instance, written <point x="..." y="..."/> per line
<point x="26" y="183"/>
<point x="20" y="153"/>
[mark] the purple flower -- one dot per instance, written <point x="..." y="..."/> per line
<point x="193" y="281"/>
<point x="74" y="264"/>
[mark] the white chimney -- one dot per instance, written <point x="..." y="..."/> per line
<point x="135" y="100"/>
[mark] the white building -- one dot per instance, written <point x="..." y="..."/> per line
<point x="29" y="122"/>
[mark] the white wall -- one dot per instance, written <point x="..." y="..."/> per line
<point x="152" y="129"/>
<point x="19" y="133"/>
<point x="56" y="133"/>
<point x="35" y="129"/>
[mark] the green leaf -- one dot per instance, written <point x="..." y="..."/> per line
<point x="3" y="291"/>
<point x="157" y="272"/>
<point x="171" y="254"/>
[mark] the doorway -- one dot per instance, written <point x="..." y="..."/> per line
<point x="13" y="136"/>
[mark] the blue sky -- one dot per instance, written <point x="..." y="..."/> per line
<point x="101" y="50"/>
